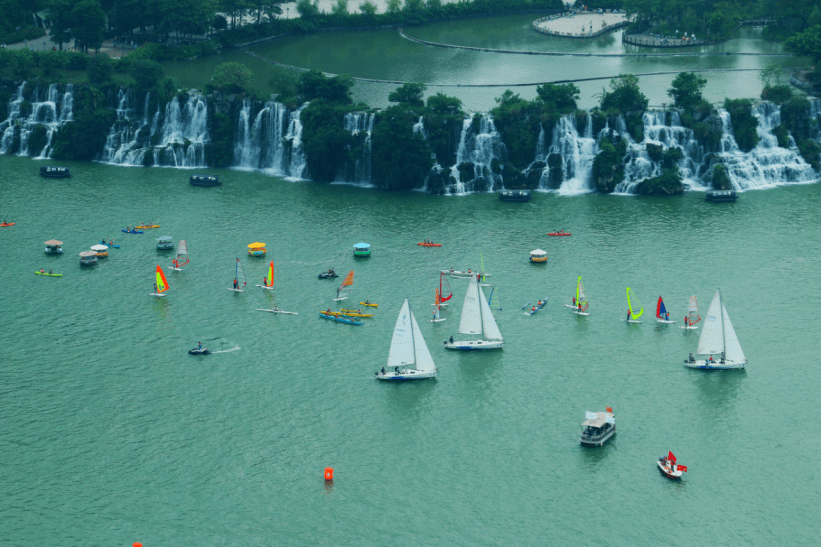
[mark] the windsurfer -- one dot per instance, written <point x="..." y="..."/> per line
<point x="265" y="280"/>
<point x="236" y="285"/>
<point x="574" y="301"/>
<point x="686" y="321"/>
<point x="628" y="314"/>
<point x="667" y="316"/>
<point x="155" y="288"/>
<point x="451" y="339"/>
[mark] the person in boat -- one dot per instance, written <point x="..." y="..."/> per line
<point x="533" y="308"/>
<point x="128" y="228"/>
<point x="711" y="359"/>
<point x="469" y="272"/>
<point x="451" y="339"/>
<point x="692" y="359"/>
<point x="330" y="271"/>
<point x="199" y="346"/>
<point x="451" y="270"/>
<point x="396" y="369"/>
<point x="328" y="311"/>
<point x="367" y="302"/>
<point x="49" y="271"/>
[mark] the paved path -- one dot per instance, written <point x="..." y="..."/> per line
<point x="42" y="43"/>
<point x="580" y="25"/>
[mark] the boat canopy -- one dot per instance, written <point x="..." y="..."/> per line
<point x="256" y="244"/>
<point x="165" y="239"/>
<point x="600" y="420"/>
<point x="99" y="247"/>
<point x="88" y="254"/>
<point x="54" y="242"/>
<point x="362" y="246"/>
<point x="538" y="252"/>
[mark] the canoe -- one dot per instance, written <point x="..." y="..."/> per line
<point x="430" y="245"/>
<point x="115" y="246"/>
<point x="147" y="226"/>
<point x="368" y="304"/>
<point x="47" y="274"/>
<point x="132" y="231"/>
<point x="7" y="224"/>
<point x="341" y="319"/>
<point x="559" y="234"/>
<point x="355" y="314"/>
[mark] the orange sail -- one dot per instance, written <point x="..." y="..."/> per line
<point x="271" y="275"/>
<point x="348" y="280"/>
<point x="442" y="298"/>
<point x="162" y="283"/>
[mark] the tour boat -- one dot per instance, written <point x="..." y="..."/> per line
<point x="634" y="308"/>
<point x="718" y="338"/>
<point x="54" y="172"/>
<point x="256" y="249"/>
<point x="477" y="319"/>
<point x="538" y="256"/>
<point x="182" y="258"/>
<point x="580" y="303"/>
<point x="662" y="316"/>
<point x="598" y="428"/>
<point x="692" y="317"/>
<point x="409" y="357"/>
<point x="343" y="291"/>
<point x="514" y="195"/>
<point x="268" y="281"/>
<point x="165" y="242"/>
<point x="54" y="247"/>
<point x="88" y="258"/>
<point x="204" y="180"/>
<point x="669" y="467"/>
<point x="100" y="250"/>
<point x="160" y="282"/>
<point x="239" y="278"/>
<point x="362" y="250"/>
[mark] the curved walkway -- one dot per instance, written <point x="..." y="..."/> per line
<point x="572" y="54"/>
<point x="529" y="84"/>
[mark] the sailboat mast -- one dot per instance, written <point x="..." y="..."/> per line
<point x="413" y="341"/>
<point x="721" y="318"/>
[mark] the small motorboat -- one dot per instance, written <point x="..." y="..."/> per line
<point x="204" y="180"/>
<point x="598" y="428"/>
<point x="100" y="249"/>
<point x="7" y="224"/>
<point x="54" y="172"/>
<point x="514" y="195"/>
<point x="132" y="231"/>
<point x="560" y="233"/>
<point x="54" y="247"/>
<point x="362" y="250"/>
<point x="669" y="467"/>
<point x="110" y="244"/>
<point x="330" y="274"/>
<point x="538" y="256"/>
<point x="199" y="351"/>
<point x="429" y="244"/>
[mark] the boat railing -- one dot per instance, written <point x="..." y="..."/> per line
<point x="596" y="437"/>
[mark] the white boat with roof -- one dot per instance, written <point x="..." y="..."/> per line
<point x="477" y="319"/>
<point x="598" y="428"/>
<point x="718" y="339"/>
<point x="409" y="357"/>
<point x="54" y="247"/>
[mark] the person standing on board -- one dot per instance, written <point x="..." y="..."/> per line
<point x="236" y="285"/>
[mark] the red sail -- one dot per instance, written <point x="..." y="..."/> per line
<point x="658" y="308"/>
<point x="442" y="297"/>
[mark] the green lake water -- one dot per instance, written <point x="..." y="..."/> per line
<point x="110" y="433"/>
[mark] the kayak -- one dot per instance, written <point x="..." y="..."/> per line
<point x="430" y="245"/>
<point x="7" y="224"/>
<point x="341" y="319"/>
<point x="199" y="351"/>
<point x="368" y="304"/>
<point x="148" y="226"/>
<point x="276" y="311"/>
<point x="355" y="314"/>
<point x="558" y="233"/>
<point x="536" y="308"/>
<point x="132" y="231"/>
<point x="115" y="246"/>
<point x="47" y="274"/>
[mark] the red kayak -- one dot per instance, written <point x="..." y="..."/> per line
<point x="430" y="245"/>
<point x="6" y="224"/>
<point x="558" y="233"/>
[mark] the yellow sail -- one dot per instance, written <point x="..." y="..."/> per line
<point x="271" y="274"/>
<point x="162" y="283"/>
<point x="633" y="303"/>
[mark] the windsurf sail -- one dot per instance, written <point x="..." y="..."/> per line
<point x="482" y="264"/>
<point x="437" y="301"/>
<point x="269" y="281"/>
<point x="441" y="293"/>
<point x="345" y="289"/>
<point x="634" y="305"/>
<point x="162" y="283"/>
<point x="692" y="312"/>
<point x="493" y="301"/>
<point x="182" y="255"/>
<point x="581" y="296"/>
<point x="239" y="275"/>
<point x="660" y="309"/>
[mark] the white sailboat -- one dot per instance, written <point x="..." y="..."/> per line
<point x="409" y="357"/>
<point x="477" y="319"/>
<point x="718" y="339"/>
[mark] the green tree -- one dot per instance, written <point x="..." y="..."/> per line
<point x="394" y="6"/>
<point x="806" y="43"/>
<point x="100" y="68"/>
<point x="315" y="85"/>
<point x="625" y="95"/>
<point x="307" y="9"/>
<point x="88" y="22"/>
<point x="686" y="89"/>
<point x="414" y="6"/>
<point x="146" y="73"/>
<point x="340" y="8"/>
<point x="744" y="123"/>
<point x="367" y="8"/>
<point x="409" y="94"/>
<point x="401" y="159"/>
<point x="61" y="22"/>
<point x="560" y="97"/>
<point x="231" y="77"/>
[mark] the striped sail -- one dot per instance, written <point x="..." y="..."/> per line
<point x="182" y="255"/>
<point x="162" y="283"/>
<point x="692" y="311"/>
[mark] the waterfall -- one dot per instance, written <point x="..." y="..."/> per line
<point x="51" y="111"/>
<point x="477" y="149"/>
<point x="360" y="124"/>
<point x="767" y="164"/>
<point x="419" y="127"/>
<point x="577" y="154"/>
<point x="272" y="142"/>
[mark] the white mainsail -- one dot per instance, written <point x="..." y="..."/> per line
<point x="732" y="350"/>
<point x="402" y="348"/>
<point x="424" y="361"/>
<point x="488" y="321"/>
<point x="471" y="322"/>
<point x="712" y="338"/>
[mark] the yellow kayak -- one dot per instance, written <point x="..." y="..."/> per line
<point x="331" y="313"/>
<point x="355" y="314"/>
<point x="368" y="304"/>
<point x="146" y="226"/>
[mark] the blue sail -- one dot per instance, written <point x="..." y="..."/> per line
<point x="661" y="310"/>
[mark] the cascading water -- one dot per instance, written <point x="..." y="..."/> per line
<point x="477" y="149"/>
<point x="577" y="155"/>
<point x="54" y="110"/>
<point x="767" y="164"/>
<point x="272" y="142"/>
<point x="360" y="124"/>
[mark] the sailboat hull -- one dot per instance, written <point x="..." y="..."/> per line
<point x="703" y="364"/>
<point x="405" y="375"/>
<point x="474" y="345"/>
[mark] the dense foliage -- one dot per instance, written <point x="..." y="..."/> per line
<point x="670" y="181"/>
<point x="686" y="89"/>
<point x="608" y="168"/>
<point x="230" y="77"/>
<point x="744" y="123"/>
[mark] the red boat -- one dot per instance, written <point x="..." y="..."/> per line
<point x="558" y="233"/>
<point x="6" y="224"/>
<point x="669" y="467"/>
<point x="429" y="245"/>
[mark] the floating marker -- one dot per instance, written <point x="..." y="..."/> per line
<point x="329" y="474"/>
<point x="137" y="545"/>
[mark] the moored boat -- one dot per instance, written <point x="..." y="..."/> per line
<point x="598" y="428"/>
<point x="88" y="258"/>
<point x="256" y="249"/>
<point x="54" y="172"/>
<point x="538" y="256"/>
<point x="362" y="250"/>
<point x="54" y="247"/>
<point x="204" y="180"/>
<point x="514" y="195"/>
<point x="720" y="196"/>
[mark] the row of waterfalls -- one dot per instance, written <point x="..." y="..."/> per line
<point x="269" y="137"/>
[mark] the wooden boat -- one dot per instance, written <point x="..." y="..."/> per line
<point x="256" y="249"/>
<point x="54" y="172"/>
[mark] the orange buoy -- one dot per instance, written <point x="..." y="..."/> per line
<point x="329" y="474"/>
<point x="609" y="409"/>
<point x="137" y="545"/>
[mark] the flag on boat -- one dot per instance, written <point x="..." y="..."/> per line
<point x="681" y="468"/>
